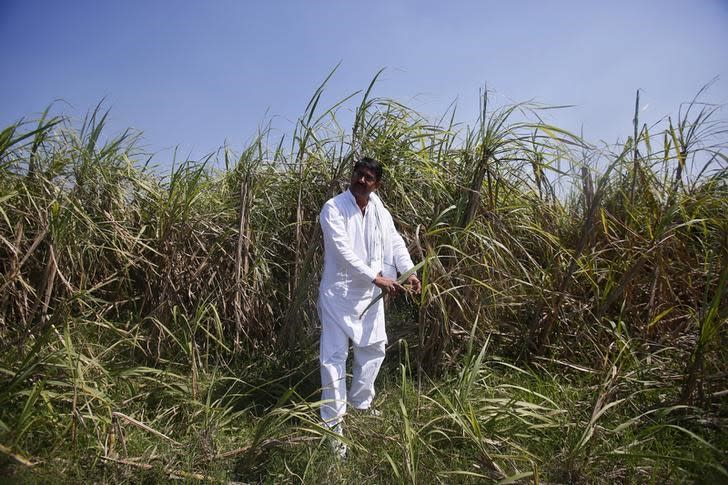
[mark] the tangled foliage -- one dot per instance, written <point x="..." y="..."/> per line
<point x="553" y="248"/>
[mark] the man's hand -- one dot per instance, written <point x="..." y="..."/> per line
<point x="415" y="283"/>
<point x="388" y="285"/>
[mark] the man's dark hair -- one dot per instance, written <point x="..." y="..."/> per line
<point x="370" y="164"/>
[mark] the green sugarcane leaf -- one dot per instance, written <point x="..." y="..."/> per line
<point x="400" y="280"/>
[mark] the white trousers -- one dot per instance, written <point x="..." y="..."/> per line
<point x="367" y="361"/>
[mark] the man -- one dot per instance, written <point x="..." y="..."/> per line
<point x="362" y="254"/>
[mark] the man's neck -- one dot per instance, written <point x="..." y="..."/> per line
<point x="361" y="202"/>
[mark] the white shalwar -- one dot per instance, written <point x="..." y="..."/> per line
<point x="356" y="249"/>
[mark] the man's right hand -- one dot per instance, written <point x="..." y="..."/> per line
<point x="388" y="285"/>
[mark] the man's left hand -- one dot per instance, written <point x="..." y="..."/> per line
<point x="415" y="283"/>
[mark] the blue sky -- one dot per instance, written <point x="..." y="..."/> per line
<point x="197" y="74"/>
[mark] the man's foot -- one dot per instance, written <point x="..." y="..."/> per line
<point x="370" y="411"/>
<point x="337" y="446"/>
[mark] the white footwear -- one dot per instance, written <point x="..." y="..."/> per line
<point x="337" y="446"/>
<point x="373" y="412"/>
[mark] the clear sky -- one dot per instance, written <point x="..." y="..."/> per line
<point x="197" y="74"/>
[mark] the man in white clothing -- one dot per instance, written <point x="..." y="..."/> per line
<point x="362" y="254"/>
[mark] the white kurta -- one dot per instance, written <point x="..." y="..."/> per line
<point x="356" y="248"/>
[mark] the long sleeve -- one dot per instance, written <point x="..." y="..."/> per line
<point x="336" y="240"/>
<point x="399" y="251"/>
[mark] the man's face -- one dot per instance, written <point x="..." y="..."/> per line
<point x="363" y="182"/>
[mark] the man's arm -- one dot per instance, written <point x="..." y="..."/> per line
<point x="402" y="258"/>
<point x="399" y="252"/>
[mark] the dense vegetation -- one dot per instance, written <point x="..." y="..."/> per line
<point x="571" y="326"/>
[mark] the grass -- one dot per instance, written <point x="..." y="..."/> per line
<point x="487" y="420"/>
<point x="571" y="326"/>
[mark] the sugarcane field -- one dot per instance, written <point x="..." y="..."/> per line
<point x="556" y="305"/>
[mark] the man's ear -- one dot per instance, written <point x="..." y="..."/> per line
<point x="376" y="185"/>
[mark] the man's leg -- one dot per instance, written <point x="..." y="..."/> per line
<point x="334" y="347"/>
<point x="367" y="361"/>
